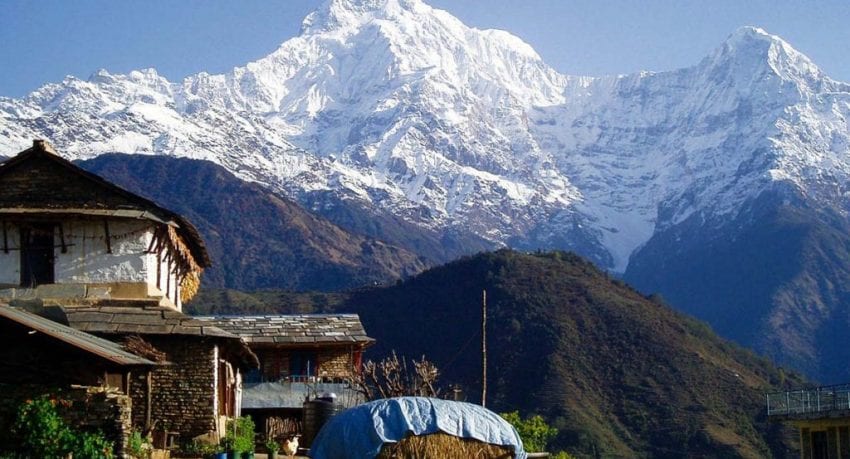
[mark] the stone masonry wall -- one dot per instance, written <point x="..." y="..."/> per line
<point x="183" y="391"/>
<point x="105" y="410"/>
<point x="335" y="363"/>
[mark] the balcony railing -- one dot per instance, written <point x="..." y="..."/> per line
<point x="809" y="401"/>
<point x="292" y="394"/>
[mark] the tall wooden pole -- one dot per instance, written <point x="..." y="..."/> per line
<point x="484" y="347"/>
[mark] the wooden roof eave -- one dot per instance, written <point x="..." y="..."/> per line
<point x="295" y="346"/>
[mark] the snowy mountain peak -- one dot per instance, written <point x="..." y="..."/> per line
<point x="351" y="14"/>
<point x="402" y="107"/>
<point x="750" y="47"/>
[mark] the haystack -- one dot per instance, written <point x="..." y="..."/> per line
<point x="417" y="427"/>
<point x="443" y="446"/>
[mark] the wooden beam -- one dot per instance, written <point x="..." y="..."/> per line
<point x="149" y="398"/>
<point x="62" y="239"/>
<point x="168" y="279"/>
<point x="108" y="237"/>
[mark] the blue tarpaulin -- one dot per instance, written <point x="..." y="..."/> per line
<point x="360" y="432"/>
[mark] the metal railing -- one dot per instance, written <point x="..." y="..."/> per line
<point x="806" y="401"/>
<point x="294" y="393"/>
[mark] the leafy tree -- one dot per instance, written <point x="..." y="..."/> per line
<point x="534" y="431"/>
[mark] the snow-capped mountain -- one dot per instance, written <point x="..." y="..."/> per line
<point x="403" y="107"/>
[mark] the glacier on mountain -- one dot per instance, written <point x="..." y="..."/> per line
<point x="403" y="107"/>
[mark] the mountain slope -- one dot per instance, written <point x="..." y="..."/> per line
<point x="770" y="278"/>
<point x="616" y="373"/>
<point x="256" y="239"/>
<point x="388" y="115"/>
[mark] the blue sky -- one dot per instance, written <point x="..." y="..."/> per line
<point x="42" y="41"/>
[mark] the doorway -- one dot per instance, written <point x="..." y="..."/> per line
<point x="37" y="257"/>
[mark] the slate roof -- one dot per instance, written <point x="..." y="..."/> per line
<point x="141" y="317"/>
<point x="81" y="340"/>
<point x="146" y="320"/>
<point x="294" y="329"/>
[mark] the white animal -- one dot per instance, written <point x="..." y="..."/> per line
<point x="290" y="446"/>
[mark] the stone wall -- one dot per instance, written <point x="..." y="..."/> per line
<point x="105" y="410"/>
<point x="183" y="391"/>
<point x="335" y="362"/>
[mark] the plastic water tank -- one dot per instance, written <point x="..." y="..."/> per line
<point x="316" y="414"/>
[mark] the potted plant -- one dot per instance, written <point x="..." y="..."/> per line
<point x="273" y="448"/>
<point x="213" y="451"/>
<point x="242" y="431"/>
<point x="226" y="447"/>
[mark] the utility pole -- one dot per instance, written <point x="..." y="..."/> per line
<point x="484" y="347"/>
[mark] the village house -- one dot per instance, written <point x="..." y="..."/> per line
<point x="302" y="357"/>
<point x="99" y="261"/>
<point x="822" y="416"/>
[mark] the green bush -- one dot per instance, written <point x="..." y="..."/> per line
<point x="272" y="445"/>
<point x="240" y="434"/>
<point x="195" y="448"/>
<point x="91" y="446"/>
<point x="534" y="431"/>
<point x="41" y="432"/>
<point x="138" y="446"/>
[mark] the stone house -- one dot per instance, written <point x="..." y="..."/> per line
<point x="301" y="356"/>
<point x="94" y="257"/>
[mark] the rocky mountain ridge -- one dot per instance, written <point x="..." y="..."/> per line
<point x="394" y="112"/>
<point x="404" y="108"/>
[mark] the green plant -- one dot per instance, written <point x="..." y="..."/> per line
<point x="240" y="432"/>
<point x="40" y="430"/>
<point x="197" y="448"/>
<point x="138" y="446"/>
<point x="43" y="433"/>
<point x="272" y="445"/>
<point x="534" y="431"/>
<point x="91" y="446"/>
<point x="227" y="442"/>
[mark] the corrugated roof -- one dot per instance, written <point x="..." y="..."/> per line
<point x="89" y="343"/>
<point x="294" y="329"/>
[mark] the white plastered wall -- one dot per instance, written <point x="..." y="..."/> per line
<point x="10" y="263"/>
<point x="87" y="260"/>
